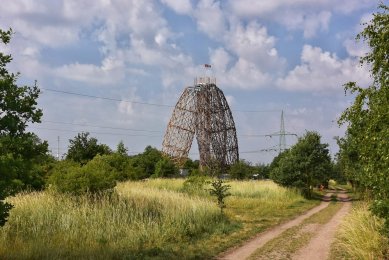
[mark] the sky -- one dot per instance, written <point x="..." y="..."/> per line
<point x="116" y="68"/>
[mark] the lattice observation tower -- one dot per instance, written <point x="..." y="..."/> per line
<point x="202" y="111"/>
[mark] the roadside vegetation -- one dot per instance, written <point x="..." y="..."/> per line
<point x="155" y="218"/>
<point x="360" y="237"/>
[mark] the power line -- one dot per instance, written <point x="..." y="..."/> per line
<point x="146" y="103"/>
<point x="106" y="98"/>
<point x="66" y="130"/>
<point x="107" y="127"/>
<point x="119" y="128"/>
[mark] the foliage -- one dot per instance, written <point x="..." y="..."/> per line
<point x="220" y="190"/>
<point x="192" y="166"/>
<point x="305" y="165"/>
<point x="143" y="165"/>
<point x="368" y="119"/>
<point x="240" y="170"/>
<point x="83" y="148"/>
<point x="121" y="149"/>
<point x="18" y="104"/>
<point x="94" y="177"/>
<point x="21" y="153"/>
<point x="196" y="184"/>
<point x="165" y="168"/>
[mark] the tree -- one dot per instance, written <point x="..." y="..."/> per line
<point x="147" y="161"/>
<point x="220" y="191"/>
<point x="121" y="149"/>
<point x="18" y="104"/>
<point x="240" y="170"/>
<point x="20" y="152"/>
<point x="305" y="165"/>
<point x="84" y="148"/>
<point x="368" y="118"/>
<point x="165" y="168"/>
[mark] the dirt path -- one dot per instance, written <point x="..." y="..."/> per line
<point x="248" y="248"/>
<point x="319" y="246"/>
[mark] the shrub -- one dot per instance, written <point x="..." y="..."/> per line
<point x="96" y="176"/>
<point x="220" y="191"/>
<point x="165" y="168"/>
<point x="195" y="184"/>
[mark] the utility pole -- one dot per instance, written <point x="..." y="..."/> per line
<point x="58" y="148"/>
<point x="282" y="134"/>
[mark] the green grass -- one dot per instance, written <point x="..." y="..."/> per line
<point x="291" y="240"/>
<point x="359" y="236"/>
<point x="150" y="219"/>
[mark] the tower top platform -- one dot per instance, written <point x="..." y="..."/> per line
<point x="204" y="80"/>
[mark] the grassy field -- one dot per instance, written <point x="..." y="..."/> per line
<point x="151" y="219"/>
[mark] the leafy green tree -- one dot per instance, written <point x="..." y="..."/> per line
<point x="20" y="152"/>
<point x="121" y="149"/>
<point x="145" y="162"/>
<point x="165" y="168"/>
<point x="305" y="165"/>
<point x="84" y="148"/>
<point x="368" y="118"/>
<point x="240" y="170"/>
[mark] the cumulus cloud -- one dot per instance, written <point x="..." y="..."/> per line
<point x="180" y="7"/>
<point x="210" y="18"/>
<point x="241" y="74"/>
<point x="253" y="44"/>
<point x="322" y="71"/>
<point x="306" y="15"/>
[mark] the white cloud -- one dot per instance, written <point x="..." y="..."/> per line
<point x="306" y="15"/>
<point x="243" y="74"/>
<point x="210" y="18"/>
<point x="110" y="72"/>
<point x="322" y="71"/>
<point x="180" y="7"/>
<point x="252" y="8"/>
<point x="254" y="44"/>
<point x="356" y="49"/>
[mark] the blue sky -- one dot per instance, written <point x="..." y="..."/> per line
<point x="267" y="56"/>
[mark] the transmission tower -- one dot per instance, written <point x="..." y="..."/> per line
<point x="282" y="136"/>
<point x="202" y="111"/>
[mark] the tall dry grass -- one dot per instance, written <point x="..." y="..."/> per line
<point x="359" y="236"/>
<point x="153" y="218"/>
<point x="51" y="226"/>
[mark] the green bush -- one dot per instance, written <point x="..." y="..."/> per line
<point x="196" y="184"/>
<point x="94" y="177"/>
<point x="165" y="168"/>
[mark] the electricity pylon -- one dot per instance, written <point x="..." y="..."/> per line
<point x="281" y="134"/>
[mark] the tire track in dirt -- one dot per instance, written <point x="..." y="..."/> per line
<point x="319" y="246"/>
<point x="249" y="247"/>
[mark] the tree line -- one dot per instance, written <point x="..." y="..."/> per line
<point x="364" y="150"/>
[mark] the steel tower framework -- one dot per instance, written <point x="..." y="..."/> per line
<point x="202" y="111"/>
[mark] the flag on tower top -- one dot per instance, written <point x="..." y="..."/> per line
<point x="207" y="65"/>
